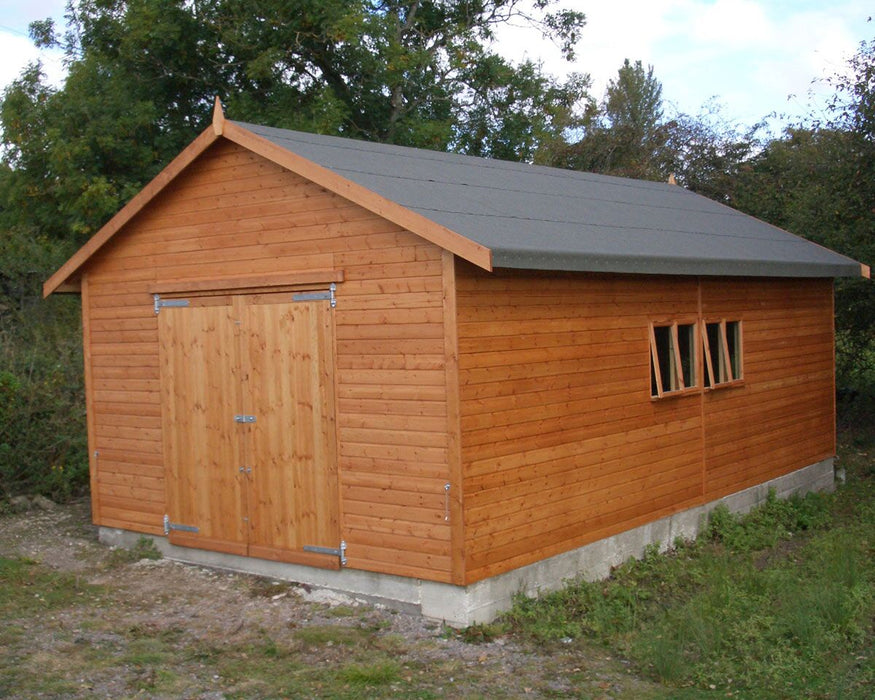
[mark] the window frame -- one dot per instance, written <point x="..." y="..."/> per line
<point x="730" y="356"/>
<point x="678" y="382"/>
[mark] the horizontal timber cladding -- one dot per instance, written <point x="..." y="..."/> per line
<point x="232" y="214"/>
<point x="783" y="417"/>
<point x="561" y="441"/>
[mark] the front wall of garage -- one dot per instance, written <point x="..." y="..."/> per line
<point x="234" y="214"/>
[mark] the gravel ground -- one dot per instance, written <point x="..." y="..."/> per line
<point x="158" y="628"/>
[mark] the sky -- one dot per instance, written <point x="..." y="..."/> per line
<point x="753" y="57"/>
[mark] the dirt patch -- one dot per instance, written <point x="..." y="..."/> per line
<point x="156" y="628"/>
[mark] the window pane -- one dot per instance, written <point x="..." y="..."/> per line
<point x="664" y="356"/>
<point x="715" y="343"/>
<point x="733" y="346"/>
<point x="687" y="347"/>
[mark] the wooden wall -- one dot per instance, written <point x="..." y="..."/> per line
<point x="784" y="417"/>
<point x="561" y="442"/>
<point x="232" y="214"/>
<point x="548" y="423"/>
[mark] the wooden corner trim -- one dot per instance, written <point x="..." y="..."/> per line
<point x="865" y="271"/>
<point x="90" y="425"/>
<point x="455" y="484"/>
<point x="416" y="223"/>
<point x="131" y="209"/>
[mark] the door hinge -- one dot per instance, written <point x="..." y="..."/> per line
<point x="340" y="552"/>
<point x="244" y="419"/>
<point x="168" y="526"/>
<point x="168" y="303"/>
<point x="318" y="296"/>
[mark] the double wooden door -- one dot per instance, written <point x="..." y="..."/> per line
<point x="248" y="422"/>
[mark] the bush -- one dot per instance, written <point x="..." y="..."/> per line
<point x="43" y="445"/>
<point x="770" y="522"/>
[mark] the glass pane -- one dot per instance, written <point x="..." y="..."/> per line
<point x="687" y="348"/>
<point x="733" y="345"/>
<point x="665" y="357"/>
<point x="715" y="342"/>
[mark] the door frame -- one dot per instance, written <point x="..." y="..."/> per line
<point x="285" y="288"/>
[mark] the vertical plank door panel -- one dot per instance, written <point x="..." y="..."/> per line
<point x="293" y="498"/>
<point x="200" y="391"/>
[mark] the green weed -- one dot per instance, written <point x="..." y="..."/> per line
<point x="377" y="673"/>
<point x="768" y="524"/>
<point x="341" y="611"/>
<point x="775" y="603"/>
<point x="143" y="549"/>
<point x="482" y="633"/>
<point x="331" y="634"/>
<point x="26" y="586"/>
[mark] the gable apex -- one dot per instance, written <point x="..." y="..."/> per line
<point x="65" y="279"/>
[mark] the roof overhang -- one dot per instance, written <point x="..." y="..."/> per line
<point x="504" y="232"/>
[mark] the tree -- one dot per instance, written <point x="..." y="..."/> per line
<point x="633" y="103"/>
<point x="708" y="154"/>
<point x="129" y="103"/>
<point x="818" y="180"/>
<point x="143" y="74"/>
<point x="626" y="134"/>
<point x="522" y="117"/>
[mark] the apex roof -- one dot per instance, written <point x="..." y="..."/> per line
<point x="503" y="214"/>
<point x="544" y="218"/>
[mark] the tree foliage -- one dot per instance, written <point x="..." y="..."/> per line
<point x="818" y="180"/>
<point x="42" y="409"/>
<point x="625" y="134"/>
<point x="143" y="74"/>
<point x="631" y="133"/>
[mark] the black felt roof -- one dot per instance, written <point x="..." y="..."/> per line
<point x="542" y="218"/>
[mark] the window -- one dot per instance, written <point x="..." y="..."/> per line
<point x="672" y="358"/>
<point x="722" y="342"/>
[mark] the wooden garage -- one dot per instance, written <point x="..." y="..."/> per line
<point x="344" y="355"/>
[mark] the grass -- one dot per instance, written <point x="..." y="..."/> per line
<point x="144" y="548"/>
<point x="333" y="635"/>
<point x="27" y="587"/>
<point x="379" y="673"/>
<point x="777" y="603"/>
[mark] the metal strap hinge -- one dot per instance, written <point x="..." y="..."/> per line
<point x="340" y="552"/>
<point x="168" y="526"/>
<point x="244" y="419"/>
<point x="168" y="303"/>
<point x="318" y="296"/>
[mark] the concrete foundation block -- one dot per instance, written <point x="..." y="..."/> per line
<point x="481" y="602"/>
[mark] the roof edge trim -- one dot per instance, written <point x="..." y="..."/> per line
<point x="644" y="265"/>
<point x="441" y="236"/>
<point x="61" y="280"/>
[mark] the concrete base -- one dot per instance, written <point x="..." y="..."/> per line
<point x="460" y="606"/>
